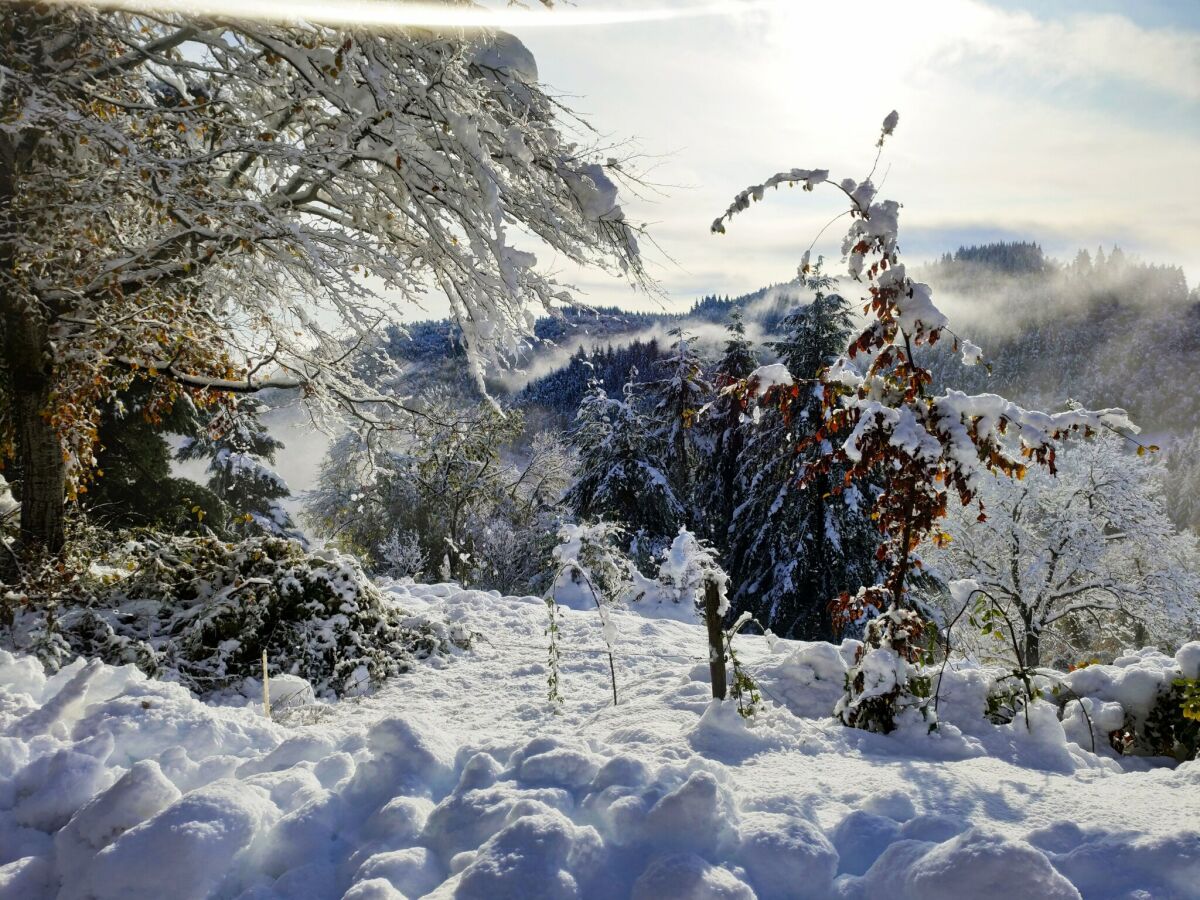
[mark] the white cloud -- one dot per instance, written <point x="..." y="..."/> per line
<point x="1004" y="120"/>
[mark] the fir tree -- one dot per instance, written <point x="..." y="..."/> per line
<point x="620" y="476"/>
<point x="681" y="394"/>
<point x="241" y="451"/>
<point x="1183" y="481"/>
<point x="722" y="435"/>
<point x="134" y="486"/>
<point x="794" y="548"/>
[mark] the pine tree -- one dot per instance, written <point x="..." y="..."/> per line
<point x="1183" y="481"/>
<point x="134" y="486"/>
<point x="241" y="451"/>
<point x="680" y="396"/>
<point x="794" y="548"/>
<point x="620" y="474"/>
<point x="722" y="436"/>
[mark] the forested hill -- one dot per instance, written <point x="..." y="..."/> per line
<point x="1102" y="329"/>
<point x="547" y="373"/>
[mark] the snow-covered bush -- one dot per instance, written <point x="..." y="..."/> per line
<point x="1080" y="563"/>
<point x="887" y="685"/>
<point x="590" y="569"/>
<point x="202" y="611"/>
<point x="1143" y="704"/>
<point x="401" y="556"/>
<point x="688" y="567"/>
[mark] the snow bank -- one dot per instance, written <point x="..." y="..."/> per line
<point x="976" y="864"/>
<point x="457" y="781"/>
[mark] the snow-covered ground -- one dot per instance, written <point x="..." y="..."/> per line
<point x="458" y="780"/>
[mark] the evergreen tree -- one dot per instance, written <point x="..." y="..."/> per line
<point x="680" y="396"/>
<point x="1183" y="481"/>
<point x="620" y="475"/>
<point x="241" y="451"/>
<point x="793" y="549"/>
<point x="815" y="334"/>
<point x="721" y="435"/>
<point x="133" y="486"/>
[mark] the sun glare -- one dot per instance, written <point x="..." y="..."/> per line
<point x="374" y="13"/>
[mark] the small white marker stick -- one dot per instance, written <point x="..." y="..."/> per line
<point x="266" y="688"/>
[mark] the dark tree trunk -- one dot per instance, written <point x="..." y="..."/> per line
<point x="1033" y="648"/>
<point x="716" y="639"/>
<point x="39" y="452"/>
<point x="28" y="372"/>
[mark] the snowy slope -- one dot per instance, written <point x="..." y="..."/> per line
<point x="458" y="781"/>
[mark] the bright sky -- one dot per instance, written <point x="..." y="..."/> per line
<point x="1073" y="127"/>
<point x="1069" y="122"/>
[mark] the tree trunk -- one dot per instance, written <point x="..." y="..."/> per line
<point x="716" y="639"/>
<point x="28" y="365"/>
<point x="39" y="453"/>
<point x="1033" y="650"/>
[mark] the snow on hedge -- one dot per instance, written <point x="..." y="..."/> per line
<point x="202" y="611"/>
<point x="457" y="781"/>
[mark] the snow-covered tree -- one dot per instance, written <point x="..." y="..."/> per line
<point x="1183" y="481"/>
<point x="720" y="435"/>
<point x="223" y="205"/>
<point x="885" y="419"/>
<point x="794" y="546"/>
<point x="240" y="453"/>
<point x="620" y="476"/>
<point x="478" y="511"/>
<point x="134" y="486"/>
<point x="1083" y="561"/>
<point x="679" y="396"/>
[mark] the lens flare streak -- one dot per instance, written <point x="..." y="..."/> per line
<point x="379" y="14"/>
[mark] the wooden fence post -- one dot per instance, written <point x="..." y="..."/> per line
<point x="716" y="638"/>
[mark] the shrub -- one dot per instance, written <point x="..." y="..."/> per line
<point x="886" y="685"/>
<point x="1173" y="726"/>
<point x="201" y="611"/>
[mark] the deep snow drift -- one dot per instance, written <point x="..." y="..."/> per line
<point x="458" y="780"/>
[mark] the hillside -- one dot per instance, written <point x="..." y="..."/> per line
<point x="1111" y="331"/>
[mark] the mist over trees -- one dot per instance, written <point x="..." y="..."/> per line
<point x="1101" y="328"/>
<point x="636" y="400"/>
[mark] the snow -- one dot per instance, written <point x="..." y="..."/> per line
<point x="687" y="568"/>
<point x="460" y="780"/>
<point x="595" y="191"/>
<point x="764" y="378"/>
<point x="972" y="353"/>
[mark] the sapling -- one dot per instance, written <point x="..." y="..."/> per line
<point x="588" y="563"/>
<point x="880" y="419"/>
